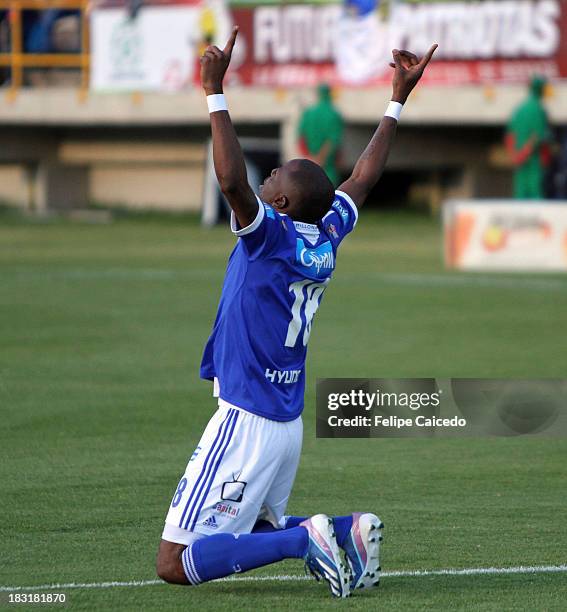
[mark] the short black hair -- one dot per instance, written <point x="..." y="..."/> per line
<point x="315" y="190"/>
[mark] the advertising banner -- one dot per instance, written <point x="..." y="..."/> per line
<point x="479" y="41"/>
<point x="302" y="44"/>
<point x="506" y="235"/>
<point x="149" y="52"/>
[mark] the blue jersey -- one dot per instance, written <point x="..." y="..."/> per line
<point x="274" y="283"/>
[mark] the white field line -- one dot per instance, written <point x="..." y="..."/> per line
<point x="471" y="571"/>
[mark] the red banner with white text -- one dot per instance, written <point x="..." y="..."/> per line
<point x="294" y="45"/>
<point x="479" y="42"/>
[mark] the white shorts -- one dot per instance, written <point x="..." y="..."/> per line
<point x="242" y="469"/>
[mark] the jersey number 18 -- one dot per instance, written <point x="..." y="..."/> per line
<point x="307" y="297"/>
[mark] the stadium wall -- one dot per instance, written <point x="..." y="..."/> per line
<point x="61" y="150"/>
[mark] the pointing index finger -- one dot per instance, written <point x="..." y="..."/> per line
<point x="230" y="44"/>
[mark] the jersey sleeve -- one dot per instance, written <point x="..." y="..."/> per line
<point x="342" y="217"/>
<point x="263" y="235"/>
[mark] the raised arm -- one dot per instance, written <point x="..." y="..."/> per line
<point x="227" y="154"/>
<point x="369" y="167"/>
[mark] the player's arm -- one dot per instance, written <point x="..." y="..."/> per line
<point x="408" y="70"/>
<point x="227" y="154"/>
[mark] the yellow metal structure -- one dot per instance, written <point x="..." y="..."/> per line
<point x="17" y="60"/>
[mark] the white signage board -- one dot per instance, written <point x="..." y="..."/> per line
<point x="153" y="51"/>
<point x="506" y="235"/>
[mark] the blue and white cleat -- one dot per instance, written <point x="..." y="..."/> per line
<point x="362" y="548"/>
<point x="323" y="558"/>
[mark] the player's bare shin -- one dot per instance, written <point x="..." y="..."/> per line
<point x="408" y="70"/>
<point x="227" y="153"/>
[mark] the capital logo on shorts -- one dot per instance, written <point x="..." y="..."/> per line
<point x="226" y="510"/>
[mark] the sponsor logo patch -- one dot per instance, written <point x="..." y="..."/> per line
<point x="316" y="262"/>
<point x="285" y="377"/>
<point x="226" y="509"/>
<point x="233" y="490"/>
<point x="343" y="212"/>
<point x="211" y="522"/>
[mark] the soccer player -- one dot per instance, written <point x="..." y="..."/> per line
<point x="227" y="514"/>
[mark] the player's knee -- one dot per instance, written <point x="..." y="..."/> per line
<point x="170" y="570"/>
<point x="163" y="568"/>
<point x="168" y="563"/>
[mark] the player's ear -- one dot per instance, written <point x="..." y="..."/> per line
<point x="281" y="203"/>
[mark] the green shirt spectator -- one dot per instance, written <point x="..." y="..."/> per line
<point x="527" y="139"/>
<point x="321" y="133"/>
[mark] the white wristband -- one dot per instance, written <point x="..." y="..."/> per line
<point x="216" y="102"/>
<point x="394" y="110"/>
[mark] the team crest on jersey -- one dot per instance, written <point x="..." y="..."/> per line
<point x="316" y="262"/>
<point x="333" y="231"/>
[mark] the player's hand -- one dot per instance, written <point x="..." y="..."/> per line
<point x="408" y="69"/>
<point x="214" y="63"/>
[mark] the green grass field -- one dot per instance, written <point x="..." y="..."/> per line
<point x="102" y="329"/>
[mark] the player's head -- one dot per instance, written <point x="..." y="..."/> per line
<point x="300" y="189"/>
